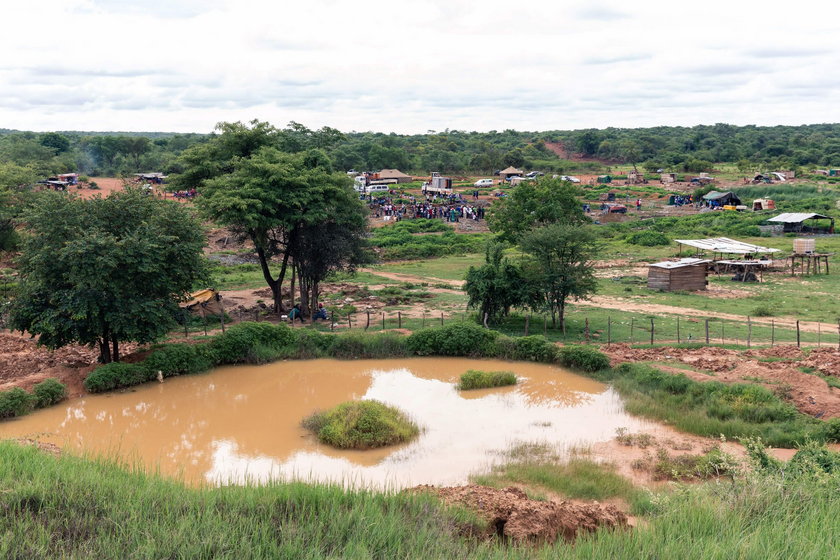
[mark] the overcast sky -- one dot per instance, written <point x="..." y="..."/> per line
<point x="415" y="65"/>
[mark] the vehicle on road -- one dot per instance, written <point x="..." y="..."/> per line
<point x="484" y="183"/>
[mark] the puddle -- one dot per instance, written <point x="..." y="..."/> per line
<point x="241" y="423"/>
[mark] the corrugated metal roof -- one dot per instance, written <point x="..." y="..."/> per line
<point x="796" y="217"/>
<point x="725" y="245"/>
<point x="680" y="263"/>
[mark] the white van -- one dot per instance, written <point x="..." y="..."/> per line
<point x="484" y="183"/>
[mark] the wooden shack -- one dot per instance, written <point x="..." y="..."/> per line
<point x="687" y="275"/>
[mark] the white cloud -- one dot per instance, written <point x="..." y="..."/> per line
<point x="415" y="65"/>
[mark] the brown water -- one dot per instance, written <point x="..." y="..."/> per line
<point x="243" y="423"/>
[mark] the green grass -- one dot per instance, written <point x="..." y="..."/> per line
<point x="445" y="268"/>
<point x="361" y="425"/>
<point x="477" y="379"/>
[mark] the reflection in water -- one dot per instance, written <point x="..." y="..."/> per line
<point x="243" y="423"/>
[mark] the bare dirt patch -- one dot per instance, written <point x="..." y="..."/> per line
<point x="23" y="363"/>
<point x="809" y="393"/>
<point x="510" y="514"/>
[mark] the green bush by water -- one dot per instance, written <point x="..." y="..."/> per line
<point x="361" y="425"/>
<point x="476" y="379"/>
<point x="583" y="357"/>
<point x="49" y="392"/>
<point x="454" y="339"/>
<point x="16" y="402"/>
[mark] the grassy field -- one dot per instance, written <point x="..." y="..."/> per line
<point x="77" y="508"/>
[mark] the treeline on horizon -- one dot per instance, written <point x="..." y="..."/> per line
<point x="678" y="149"/>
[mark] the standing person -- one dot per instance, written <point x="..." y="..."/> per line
<point x="638" y="204"/>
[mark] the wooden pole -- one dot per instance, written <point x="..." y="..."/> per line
<point x="819" y="334"/>
<point x="383" y="320"/>
<point x="651" y="331"/>
<point x="632" y="325"/>
<point x="204" y="319"/>
<point x="797" y="334"/>
<point x="424" y="318"/>
<point x="586" y="330"/>
<point x="367" y="325"/>
<point x="772" y="333"/>
<point x="222" y="316"/>
<point x="441" y="318"/>
<point x="707" y="331"/>
<point x="545" y="325"/>
<point x="399" y="319"/>
<point x="678" y="330"/>
<point x="349" y="322"/>
<point x="609" y="330"/>
<point x="187" y="332"/>
<point x="527" y="323"/>
<point x="749" y="331"/>
<point x="332" y="321"/>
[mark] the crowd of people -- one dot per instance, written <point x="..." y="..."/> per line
<point x="452" y="208"/>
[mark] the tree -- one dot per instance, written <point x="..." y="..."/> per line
<point x="105" y="271"/>
<point x="559" y="265"/>
<point x="496" y="286"/>
<point x="271" y="197"/>
<point x="15" y="184"/>
<point x="56" y="141"/>
<point x="533" y="204"/>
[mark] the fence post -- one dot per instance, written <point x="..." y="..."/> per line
<point x="545" y="325"/>
<point x="797" y="334"/>
<point x="256" y="315"/>
<point x="527" y="323"/>
<point x="819" y="334"/>
<point x="707" y="331"/>
<point x="367" y="325"/>
<point x="651" y="331"/>
<point x="632" y="324"/>
<point x="204" y="320"/>
<point x="349" y="322"/>
<point x="772" y="333"/>
<point x="332" y="321"/>
<point x="749" y="331"/>
<point x="424" y="318"/>
<point x="678" y="330"/>
<point x="399" y="319"/>
<point x="722" y="332"/>
<point x="609" y="330"/>
<point x="586" y="330"/>
<point x="187" y="333"/>
<point x="441" y="318"/>
<point x="383" y="320"/>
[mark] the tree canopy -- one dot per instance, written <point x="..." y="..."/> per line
<point x="105" y="271"/>
<point x="496" y="286"/>
<point x="533" y="204"/>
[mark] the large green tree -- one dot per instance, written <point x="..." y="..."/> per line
<point x="533" y="204"/>
<point x="105" y="271"/>
<point x="558" y="264"/>
<point x="496" y="286"/>
<point x="271" y="198"/>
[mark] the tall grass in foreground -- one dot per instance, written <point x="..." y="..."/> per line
<point x="70" y="507"/>
<point x="477" y="379"/>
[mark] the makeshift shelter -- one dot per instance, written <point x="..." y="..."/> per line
<point x="156" y="178"/>
<point x="204" y="301"/>
<point x="604" y="178"/>
<point x="395" y="174"/>
<point x="668" y="178"/>
<point x="69" y="178"/>
<point x="795" y="222"/>
<point x="683" y="275"/>
<point x="763" y="204"/>
<point x="635" y="177"/>
<point x="509" y="172"/>
<point x="725" y="246"/>
<point x="716" y="199"/>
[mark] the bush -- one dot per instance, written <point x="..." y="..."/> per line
<point x="648" y="238"/>
<point x="583" y="357"/>
<point x="535" y="348"/>
<point x="16" y="402"/>
<point x="309" y="344"/>
<point x="455" y="339"/>
<point x="762" y="311"/>
<point x="475" y="379"/>
<point x="360" y="345"/>
<point x="49" y="392"/>
<point x="116" y="375"/>
<point x="831" y="429"/>
<point x="361" y="425"/>
<point x="251" y="343"/>
<point x="179" y="359"/>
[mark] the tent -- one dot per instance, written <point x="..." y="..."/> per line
<point x="715" y="198"/>
<point x="509" y="172"/>
<point x="207" y="300"/>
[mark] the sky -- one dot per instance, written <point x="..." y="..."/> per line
<point x="410" y="66"/>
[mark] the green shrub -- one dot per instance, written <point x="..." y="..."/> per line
<point x="238" y="344"/>
<point x="454" y="339"/>
<point x="360" y="345"/>
<point x="179" y="359"/>
<point x="361" y="425"/>
<point x="49" y="392"/>
<point x="476" y="379"/>
<point x="16" y="402"/>
<point x="831" y="429"/>
<point x="762" y="311"/>
<point x="535" y="348"/>
<point x="813" y="457"/>
<point x="583" y="357"/>
<point x="116" y="375"/>
<point x="308" y="344"/>
<point x="648" y="238"/>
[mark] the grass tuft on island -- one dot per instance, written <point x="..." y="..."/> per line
<point x="361" y="425"/>
<point x="477" y="379"/>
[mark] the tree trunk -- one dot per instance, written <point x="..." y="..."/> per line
<point x="116" y="352"/>
<point x="104" y="347"/>
<point x="563" y="317"/>
<point x="292" y="291"/>
<point x="304" y="294"/>
<point x="275" y="285"/>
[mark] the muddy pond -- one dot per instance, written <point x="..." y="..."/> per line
<point x="242" y="423"/>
